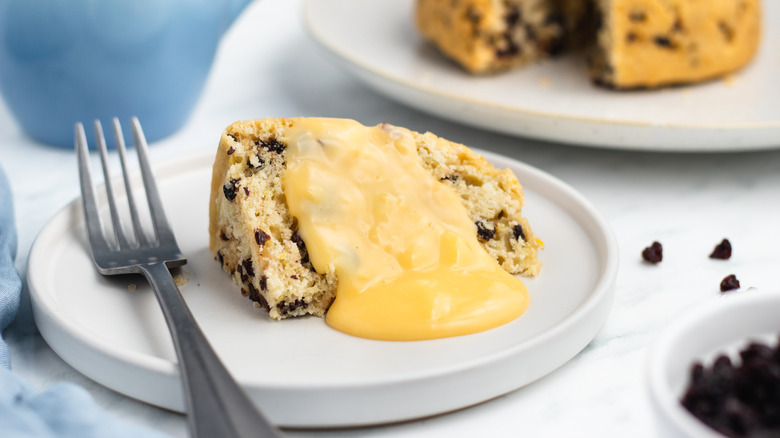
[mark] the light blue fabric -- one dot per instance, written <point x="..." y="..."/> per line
<point x="63" y="410"/>
<point x="10" y="283"/>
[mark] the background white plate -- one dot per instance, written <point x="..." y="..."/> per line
<point x="553" y="100"/>
<point x="300" y="372"/>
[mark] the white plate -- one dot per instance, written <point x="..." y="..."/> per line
<point x="553" y="100"/>
<point x="301" y="372"/>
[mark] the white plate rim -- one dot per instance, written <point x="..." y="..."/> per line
<point x="386" y="83"/>
<point x="63" y="334"/>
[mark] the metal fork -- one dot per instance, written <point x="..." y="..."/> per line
<point x="216" y="405"/>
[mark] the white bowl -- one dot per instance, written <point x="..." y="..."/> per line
<point x="724" y="325"/>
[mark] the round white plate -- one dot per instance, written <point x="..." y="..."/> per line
<point x="553" y="100"/>
<point x="300" y="372"/>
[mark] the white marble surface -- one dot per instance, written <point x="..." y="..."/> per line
<point x="268" y="66"/>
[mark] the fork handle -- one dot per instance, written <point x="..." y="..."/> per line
<point x="216" y="405"/>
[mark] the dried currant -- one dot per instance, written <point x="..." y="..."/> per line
<point x="260" y="162"/>
<point x="301" y="247"/>
<point x="730" y="282"/>
<point x="242" y="274"/>
<point x="637" y="16"/>
<point x="287" y="307"/>
<point x="257" y="297"/>
<point x="726" y="30"/>
<point x="230" y="189"/>
<point x="261" y="236"/>
<point x="272" y="145"/>
<point x="485" y="229"/>
<point x="517" y="232"/>
<point x="248" y="267"/>
<point x="653" y="253"/>
<point x="722" y="250"/>
<point x="741" y="398"/>
<point x="662" y="41"/>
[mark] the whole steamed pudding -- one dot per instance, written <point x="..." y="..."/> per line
<point x="630" y="43"/>
<point x="389" y="233"/>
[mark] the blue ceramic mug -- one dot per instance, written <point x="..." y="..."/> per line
<point x="63" y="61"/>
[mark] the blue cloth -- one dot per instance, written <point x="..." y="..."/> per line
<point x="10" y="283"/>
<point x="63" y="410"/>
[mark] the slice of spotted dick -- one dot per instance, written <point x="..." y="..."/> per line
<point x="254" y="237"/>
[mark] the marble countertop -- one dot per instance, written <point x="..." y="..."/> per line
<point x="688" y="202"/>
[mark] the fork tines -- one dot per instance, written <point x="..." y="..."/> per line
<point x="161" y="229"/>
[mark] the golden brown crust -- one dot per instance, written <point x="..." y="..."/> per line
<point x="651" y="43"/>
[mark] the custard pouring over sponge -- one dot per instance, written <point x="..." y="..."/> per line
<point x="257" y="240"/>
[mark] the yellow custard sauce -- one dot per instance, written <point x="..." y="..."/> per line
<point x="401" y="243"/>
